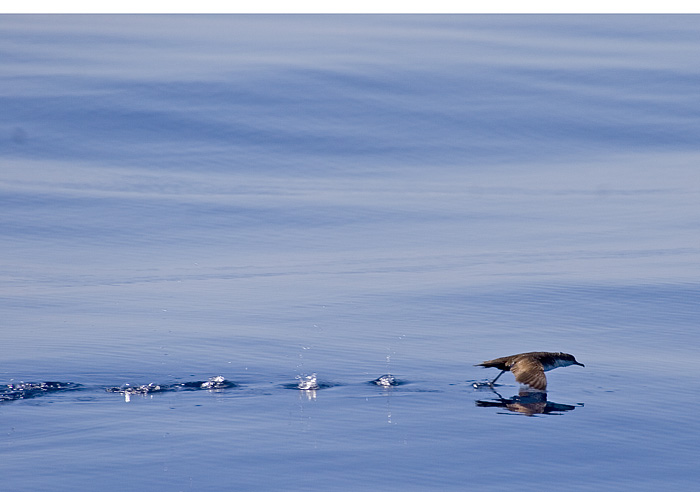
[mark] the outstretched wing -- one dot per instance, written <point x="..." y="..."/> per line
<point x="528" y="370"/>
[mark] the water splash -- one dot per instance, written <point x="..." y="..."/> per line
<point x="308" y="382"/>
<point x="143" y="389"/>
<point x="211" y="384"/>
<point x="481" y="385"/>
<point x="386" y="380"/>
<point x="215" y="382"/>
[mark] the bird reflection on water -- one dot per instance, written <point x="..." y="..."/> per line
<point x="527" y="402"/>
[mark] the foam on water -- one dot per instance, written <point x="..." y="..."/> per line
<point x="213" y="383"/>
<point x="22" y="390"/>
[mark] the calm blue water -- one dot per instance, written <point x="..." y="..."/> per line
<point x="267" y="197"/>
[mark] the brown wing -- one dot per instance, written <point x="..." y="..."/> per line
<point x="528" y="370"/>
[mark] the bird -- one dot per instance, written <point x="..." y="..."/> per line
<point x="529" y="367"/>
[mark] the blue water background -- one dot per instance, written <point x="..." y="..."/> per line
<point x="264" y="197"/>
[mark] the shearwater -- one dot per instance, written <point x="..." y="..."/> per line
<point x="529" y="367"/>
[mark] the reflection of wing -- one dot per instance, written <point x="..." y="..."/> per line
<point x="528" y="370"/>
<point x="527" y="408"/>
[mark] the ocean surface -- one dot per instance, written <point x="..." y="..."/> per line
<point x="200" y="213"/>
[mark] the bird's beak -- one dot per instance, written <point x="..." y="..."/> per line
<point x="579" y="364"/>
